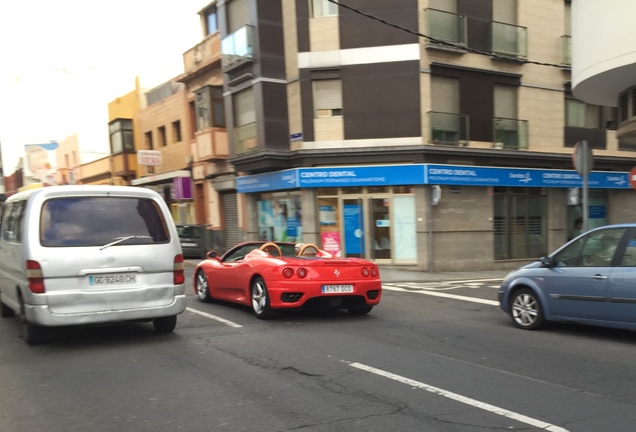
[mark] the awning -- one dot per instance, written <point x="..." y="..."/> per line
<point x="160" y="178"/>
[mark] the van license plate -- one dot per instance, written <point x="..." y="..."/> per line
<point x="112" y="279"/>
<point x="186" y="244"/>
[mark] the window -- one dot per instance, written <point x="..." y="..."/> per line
<point x="327" y="98"/>
<point x="148" y="141"/>
<point x="244" y="110"/>
<point x="121" y="136"/>
<point x="12" y="221"/>
<point x="323" y="8"/>
<point x="211" y="25"/>
<point x="594" y="250"/>
<point x="237" y="15"/>
<point x="104" y="220"/>
<point x="580" y="114"/>
<point x="245" y="134"/>
<point x="508" y="131"/>
<point x="162" y="136"/>
<point x="210" y="111"/>
<point x="446" y="123"/>
<point x="176" y="131"/>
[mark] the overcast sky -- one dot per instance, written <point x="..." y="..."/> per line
<point x="62" y="62"/>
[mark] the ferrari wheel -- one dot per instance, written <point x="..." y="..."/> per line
<point x="360" y="311"/>
<point x="260" y="300"/>
<point x="525" y="310"/>
<point x="203" y="288"/>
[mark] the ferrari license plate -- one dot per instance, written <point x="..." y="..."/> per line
<point x="112" y="279"/>
<point x="328" y="289"/>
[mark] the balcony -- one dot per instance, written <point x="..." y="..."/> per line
<point x="211" y="144"/>
<point x="244" y="139"/>
<point x="510" y="134"/>
<point x="566" y="50"/>
<point x="202" y="54"/>
<point x="446" y="27"/>
<point x="448" y="128"/>
<point x="237" y="48"/>
<point x="509" y="40"/>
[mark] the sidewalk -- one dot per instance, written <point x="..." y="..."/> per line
<point x="392" y="274"/>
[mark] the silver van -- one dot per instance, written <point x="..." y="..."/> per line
<point x="78" y="255"/>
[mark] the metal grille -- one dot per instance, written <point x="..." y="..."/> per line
<point x="230" y="219"/>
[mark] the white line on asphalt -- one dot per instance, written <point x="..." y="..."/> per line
<point x="440" y="294"/>
<point x="214" y="317"/>
<point x="463" y="399"/>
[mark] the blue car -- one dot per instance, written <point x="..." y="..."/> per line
<point x="589" y="280"/>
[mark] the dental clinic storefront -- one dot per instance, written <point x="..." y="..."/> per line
<point x="427" y="216"/>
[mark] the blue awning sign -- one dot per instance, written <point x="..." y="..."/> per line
<point x="433" y="174"/>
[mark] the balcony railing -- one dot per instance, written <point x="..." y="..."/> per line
<point x="245" y="139"/>
<point x="509" y="40"/>
<point x="237" y="48"/>
<point x="446" y="26"/>
<point x="510" y="134"/>
<point x="566" y="50"/>
<point x="448" y="128"/>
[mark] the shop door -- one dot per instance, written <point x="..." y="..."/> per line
<point x="367" y="228"/>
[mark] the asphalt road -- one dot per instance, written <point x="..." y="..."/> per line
<point x="432" y="357"/>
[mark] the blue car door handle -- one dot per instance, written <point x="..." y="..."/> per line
<point x="599" y="277"/>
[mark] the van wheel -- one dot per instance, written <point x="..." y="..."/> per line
<point x="165" y="324"/>
<point x="32" y="334"/>
<point x="5" y="311"/>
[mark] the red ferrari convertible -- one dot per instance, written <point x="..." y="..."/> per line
<point x="270" y="276"/>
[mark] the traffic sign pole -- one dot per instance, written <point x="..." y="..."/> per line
<point x="583" y="161"/>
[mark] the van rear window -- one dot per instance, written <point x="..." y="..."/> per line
<point x="99" y="221"/>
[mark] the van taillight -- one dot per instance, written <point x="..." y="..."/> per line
<point x="35" y="277"/>
<point x="179" y="270"/>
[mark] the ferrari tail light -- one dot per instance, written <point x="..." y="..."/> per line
<point x="35" y="277"/>
<point x="365" y="272"/>
<point x="374" y="272"/>
<point x="179" y="270"/>
<point x="289" y="272"/>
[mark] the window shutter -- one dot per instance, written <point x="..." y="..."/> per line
<point x="567" y="17"/>
<point x="445" y="94"/>
<point x="444" y="5"/>
<point x="244" y="110"/>
<point x="504" y="11"/>
<point x="237" y="15"/>
<point x="327" y="94"/>
<point x="505" y="101"/>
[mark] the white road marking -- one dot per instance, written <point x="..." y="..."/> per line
<point x="214" y="317"/>
<point x="463" y="399"/>
<point x="441" y="294"/>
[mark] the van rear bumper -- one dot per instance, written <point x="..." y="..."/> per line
<point x="42" y="315"/>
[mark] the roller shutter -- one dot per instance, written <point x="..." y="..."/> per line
<point x="230" y="219"/>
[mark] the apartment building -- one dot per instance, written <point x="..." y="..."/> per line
<point x="604" y="68"/>
<point x="442" y="140"/>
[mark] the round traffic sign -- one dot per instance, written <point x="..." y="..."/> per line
<point x="582" y="158"/>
